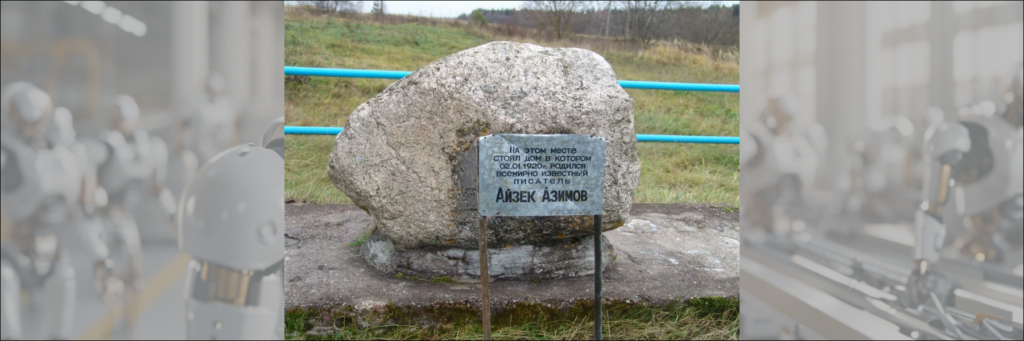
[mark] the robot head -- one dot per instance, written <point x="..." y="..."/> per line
<point x="1013" y="97"/>
<point x="779" y="113"/>
<point x="232" y="212"/>
<point x="215" y="84"/>
<point x="273" y="136"/>
<point x="126" y="114"/>
<point x="27" y="108"/>
<point x="888" y="128"/>
<point x="61" y="130"/>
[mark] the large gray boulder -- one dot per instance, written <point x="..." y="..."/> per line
<point x="408" y="155"/>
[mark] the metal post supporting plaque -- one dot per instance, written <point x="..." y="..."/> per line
<point x="485" y="296"/>
<point x="541" y="176"/>
<point x="597" y="277"/>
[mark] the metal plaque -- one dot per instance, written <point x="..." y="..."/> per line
<point x="541" y="175"/>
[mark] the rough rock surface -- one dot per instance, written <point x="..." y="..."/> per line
<point x="566" y="258"/>
<point x="407" y="156"/>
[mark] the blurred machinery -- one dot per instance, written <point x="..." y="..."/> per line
<point x="913" y="229"/>
<point x="879" y="187"/>
<point x="57" y="194"/>
<point x="964" y="279"/>
<point x="780" y="163"/>
<point x="57" y="183"/>
<point x="90" y="187"/>
<point x="232" y="223"/>
<point x="973" y="188"/>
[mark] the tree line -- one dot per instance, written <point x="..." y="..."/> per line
<point x="641" y="22"/>
<point x="346" y="7"/>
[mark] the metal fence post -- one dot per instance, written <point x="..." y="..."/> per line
<point x="597" y="277"/>
<point x="485" y="295"/>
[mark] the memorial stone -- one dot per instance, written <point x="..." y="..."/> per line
<point x="409" y="157"/>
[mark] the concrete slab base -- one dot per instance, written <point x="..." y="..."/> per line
<point x="665" y="254"/>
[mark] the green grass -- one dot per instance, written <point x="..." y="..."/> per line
<point x="671" y="173"/>
<point x="701" y="319"/>
<point x="442" y="279"/>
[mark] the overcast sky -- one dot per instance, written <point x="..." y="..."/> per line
<point x="448" y="9"/>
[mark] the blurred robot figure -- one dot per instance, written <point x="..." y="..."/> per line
<point x="973" y="185"/>
<point x="41" y="185"/>
<point x="131" y="170"/>
<point x="209" y="127"/>
<point x="779" y="163"/>
<point x="135" y="171"/>
<point x="231" y="220"/>
<point x="879" y="189"/>
<point x="116" y="253"/>
<point x="214" y="125"/>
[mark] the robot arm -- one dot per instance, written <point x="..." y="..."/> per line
<point x="1013" y="210"/>
<point x="159" y="156"/>
<point x="1017" y="164"/>
<point x="273" y="136"/>
<point x="946" y="147"/>
<point x="748" y="149"/>
<point x="19" y="180"/>
<point x="10" y="306"/>
<point x="164" y="196"/>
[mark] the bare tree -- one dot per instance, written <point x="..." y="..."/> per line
<point x="644" y="19"/>
<point x="557" y="16"/>
<point x="335" y="6"/>
<point x="607" y="17"/>
<point x="320" y="6"/>
<point x="714" y="24"/>
<point x="350" y="6"/>
<point x="378" y="10"/>
<point x="640" y="22"/>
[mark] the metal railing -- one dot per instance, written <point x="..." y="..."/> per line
<point x="353" y="73"/>
<point x="385" y="74"/>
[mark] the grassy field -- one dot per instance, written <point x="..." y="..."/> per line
<point x="702" y="319"/>
<point x="671" y="173"/>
